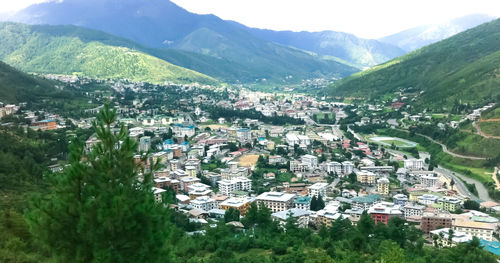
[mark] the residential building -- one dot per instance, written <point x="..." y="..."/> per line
<point x="227" y="187"/>
<point x="400" y="199"/>
<point x="365" y="202"/>
<point x="365" y="177"/>
<point x="310" y="160"/>
<point x="449" y="203"/>
<point x="427" y="199"/>
<point x="204" y="203"/>
<point x="412" y="210"/>
<point x="383" y="186"/>
<point x="233" y="171"/>
<point x="443" y="237"/>
<point x="144" y="143"/>
<point x="317" y="190"/>
<point x="478" y="229"/>
<point x="158" y="192"/>
<point x="303" y="202"/>
<point x="301" y="217"/>
<point x="383" y="212"/>
<point x="414" y="164"/>
<point x="429" y="180"/>
<point x="333" y="167"/>
<point x="239" y="203"/>
<point x="196" y="190"/>
<point x="434" y="220"/>
<point x="244" y="135"/>
<point x="276" y="201"/>
<point x="347" y="167"/>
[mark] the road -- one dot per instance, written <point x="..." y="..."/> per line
<point x="462" y="189"/>
<point x="445" y="149"/>
<point x="481" y="133"/>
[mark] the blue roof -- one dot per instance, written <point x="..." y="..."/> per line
<point x="243" y="129"/>
<point x="169" y="141"/>
<point x="491" y="246"/>
<point x="303" y="200"/>
<point x="262" y="139"/>
<point x="366" y="199"/>
<point x="185" y="143"/>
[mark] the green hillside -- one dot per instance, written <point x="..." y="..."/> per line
<point x="43" y="49"/>
<point x="460" y="69"/>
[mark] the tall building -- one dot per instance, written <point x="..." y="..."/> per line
<point x="227" y="187"/>
<point x="383" y="186"/>
<point x="317" y="190"/>
<point x="434" y="220"/>
<point x="414" y="164"/>
<point x="144" y="143"/>
<point x="347" y="167"/>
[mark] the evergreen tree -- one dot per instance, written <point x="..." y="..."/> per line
<point x="99" y="209"/>
<point x="320" y="203"/>
<point x="231" y="215"/>
<point x="314" y="204"/>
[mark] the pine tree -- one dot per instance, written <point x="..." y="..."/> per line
<point x="99" y="209"/>
<point x="320" y="203"/>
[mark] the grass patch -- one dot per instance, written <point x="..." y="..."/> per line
<point x="490" y="128"/>
<point x="475" y="145"/>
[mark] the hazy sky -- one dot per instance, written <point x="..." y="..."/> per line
<point x="364" y="18"/>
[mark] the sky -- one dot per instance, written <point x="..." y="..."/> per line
<point x="364" y="18"/>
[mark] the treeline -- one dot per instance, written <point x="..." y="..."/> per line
<point x="230" y="114"/>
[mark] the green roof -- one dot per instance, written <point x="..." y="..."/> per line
<point x="366" y="199"/>
<point x="303" y="200"/>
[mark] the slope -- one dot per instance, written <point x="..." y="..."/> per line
<point x="47" y="49"/>
<point x="461" y="69"/>
<point x="162" y="24"/>
<point x="358" y="51"/>
<point x="414" y="38"/>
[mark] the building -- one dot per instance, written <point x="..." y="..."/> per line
<point x="204" y="203"/>
<point x="449" y="203"/>
<point x="443" y="237"/>
<point x="239" y="203"/>
<point x="347" y="167"/>
<point x="414" y="164"/>
<point x="365" y="177"/>
<point x="400" y="199"/>
<point x="296" y="166"/>
<point x="276" y="201"/>
<point x="186" y="181"/>
<point x="378" y="169"/>
<point x="244" y="135"/>
<point x="144" y="143"/>
<point x="435" y="220"/>
<point x="310" y="160"/>
<point x="158" y="192"/>
<point x="478" y="229"/>
<point x="429" y="180"/>
<point x="333" y="167"/>
<point x="427" y="199"/>
<point x="384" y="211"/>
<point x="45" y="125"/>
<point x="327" y="215"/>
<point x="292" y="139"/>
<point x="383" y="186"/>
<point x="303" y="202"/>
<point x="317" y="190"/>
<point x="300" y="216"/>
<point x="227" y="187"/>
<point x="413" y="210"/>
<point x="196" y="190"/>
<point x="365" y="202"/>
<point x="233" y="171"/>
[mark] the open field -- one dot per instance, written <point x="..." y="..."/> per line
<point x="248" y="160"/>
<point x="398" y="142"/>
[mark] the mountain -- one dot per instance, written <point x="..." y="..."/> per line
<point x="414" y="38"/>
<point x="347" y="47"/>
<point x="71" y="50"/>
<point x="162" y="24"/>
<point x="461" y="69"/>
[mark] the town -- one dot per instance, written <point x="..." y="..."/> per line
<point x="310" y="158"/>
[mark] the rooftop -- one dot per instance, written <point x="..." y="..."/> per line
<point x="275" y="196"/>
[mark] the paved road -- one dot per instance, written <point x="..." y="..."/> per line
<point x="445" y="149"/>
<point x="462" y="189"/>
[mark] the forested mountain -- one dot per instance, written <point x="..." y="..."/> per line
<point x="162" y="24"/>
<point x="70" y="50"/>
<point x="420" y="36"/>
<point x="347" y="47"/>
<point x="460" y="69"/>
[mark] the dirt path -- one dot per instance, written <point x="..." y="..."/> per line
<point x="479" y="132"/>
<point x="495" y="178"/>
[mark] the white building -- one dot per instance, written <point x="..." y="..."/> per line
<point x="204" y="203"/>
<point x="310" y="160"/>
<point x="198" y="189"/>
<point x="158" y="194"/>
<point x="414" y="164"/>
<point x="427" y="199"/>
<point x="226" y="187"/>
<point x="244" y="134"/>
<point x="276" y="201"/>
<point x="292" y="139"/>
<point x="334" y="167"/>
<point x="301" y="217"/>
<point x="317" y="190"/>
<point x="444" y="237"/>
<point x="429" y="180"/>
<point x="413" y="210"/>
<point x="347" y="167"/>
